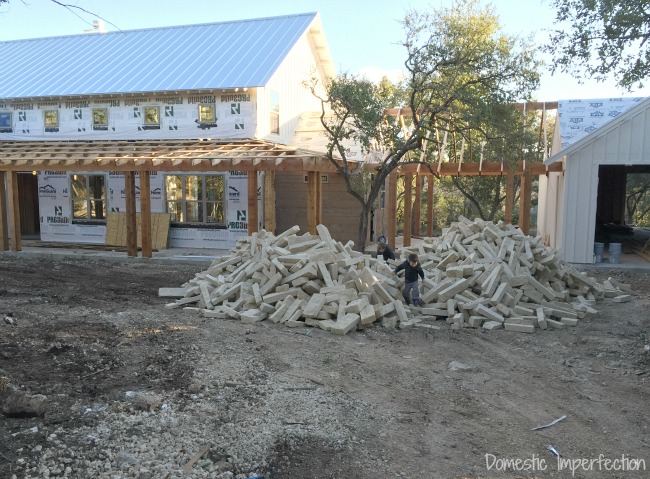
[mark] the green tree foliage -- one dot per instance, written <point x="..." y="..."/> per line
<point x="461" y="70"/>
<point x="603" y="38"/>
<point x="638" y="199"/>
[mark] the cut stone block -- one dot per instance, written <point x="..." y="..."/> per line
<point x="489" y="314"/>
<point x="491" y="325"/>
<point x="172" y="292"/>
<point x="401" y="311"/>
<point x="555" y="324"/>
<point x="346" y="324"/>
<point x="624" y="298"/>
<point x="569" y="321"/>
<point x="314" y="306"/>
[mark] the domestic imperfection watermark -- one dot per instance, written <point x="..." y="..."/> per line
<point x="535" y="463"/>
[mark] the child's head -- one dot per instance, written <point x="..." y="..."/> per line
<point x="381" y="247"/>
<point x="413" y="259"/>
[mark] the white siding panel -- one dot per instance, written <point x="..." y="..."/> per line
<point x="624" y="144"/>
<point x="644" y="137"/>
<point x="601" y="153"/>
<point x="295" y="99"/>
<point x="580" y="206"/>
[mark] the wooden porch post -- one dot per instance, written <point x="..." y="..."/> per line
<point x="269" y="201"/>
<point x="408" y="199"/>
<point x="252" y="202"/>
<point x="131" y="224"/>
<point x="145" y="213"/>
<point x="313" y="178"/>
<point x="430" y="191"/>
<point x="510" y="197"/>
<point x="524" y="202"/>
<point x="391" y="209"/>
<point x="417" y="230"/>
<point x="4" y="226"/>
<point x="319" y="198"/>
<point x="14" y="211"/>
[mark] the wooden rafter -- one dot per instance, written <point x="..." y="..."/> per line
<point x="163" y="155"/>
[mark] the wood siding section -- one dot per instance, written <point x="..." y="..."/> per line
<point x="625" y="143"/>
<point x="340" y="211"/>
<point x="296" y="69"/>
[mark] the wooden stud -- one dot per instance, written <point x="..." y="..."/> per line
<point x="14" y="211"/>
<point x="319" y="198"/>
<point x="391" y="209"/>
<point x="430" y="192"/>
<point x="525" y="202"/>
<point x="408" y="208"/>
<point x="131" y="223"/>
<point x="313" y="178"/>
<point x="145" y="213"/>
<point x="252" y="202"/>
<point x="269" y="201"/>
<point x="4" y="226"/>
<point x="417" y="211"/>
<point x="510" y="197"/>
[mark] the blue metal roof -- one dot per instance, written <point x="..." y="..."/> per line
<point x="193" y="57"/>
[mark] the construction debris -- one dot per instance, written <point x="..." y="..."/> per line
<point x="478" y="274"/>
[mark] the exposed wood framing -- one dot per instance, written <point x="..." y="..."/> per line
<point x="159" y="155"/>
<point x="4" y="226"/>
<point x="430" y="193"/>
<point x="525" y="191"/>
<point x="391" y="206"/>
<point x="269" y="201"/>
<point x="408" y="204"/>
<point x="314" y="201"/>
<point x="14" y="211"/>
<point x="252" y="202"/>
<point x="131" y="223"/>
<point x="145" y="214"/>
<point x="418" y="209"/>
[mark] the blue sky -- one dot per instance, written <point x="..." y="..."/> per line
<point x="363" y="35"/>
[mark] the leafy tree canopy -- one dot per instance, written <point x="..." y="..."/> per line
<point x="604" y="38"/>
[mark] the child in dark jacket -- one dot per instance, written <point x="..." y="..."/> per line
<point x="412" y="270"/>
<point x="384" y="250"/>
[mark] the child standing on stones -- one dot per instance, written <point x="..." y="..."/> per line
<point x="412" y="270"/>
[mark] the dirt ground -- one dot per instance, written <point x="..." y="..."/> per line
<point x="372" y="404"/>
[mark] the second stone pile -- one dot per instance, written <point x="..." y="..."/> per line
<point x="478" y="274"/>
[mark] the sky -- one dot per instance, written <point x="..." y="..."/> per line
<point x="363" y="35"/>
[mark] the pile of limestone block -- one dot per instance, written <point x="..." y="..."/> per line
<point x="477" y="274"/>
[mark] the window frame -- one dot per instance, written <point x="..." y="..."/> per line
<point x="88" y="199"/>
<point x="150" y="125"/>
<point x="212" y="119"/>
<point x="274" y="112"/>
<point x="203" y="201"/>
<point x="51" y="127"/>
<point x="9" y="128"/>
<point x="100" y="126"/>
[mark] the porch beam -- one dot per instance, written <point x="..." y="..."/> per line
<point x="4" y="226"/>
<point x="525" y="193"/>
<point x="14" y="211"/>
<point x="131" y="223"/>
<point x="145" y="214"/>
<point x="269" y="201"/>
<point x="391" y="209"/>
<point x="252" y="202"/>
<point x="408" y="198"/>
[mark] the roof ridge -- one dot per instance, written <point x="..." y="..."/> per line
<point x="167" y="27"/>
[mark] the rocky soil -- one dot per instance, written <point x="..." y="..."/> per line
<point x="99" y="380"/>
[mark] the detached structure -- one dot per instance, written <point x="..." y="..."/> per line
<point x="196" y="122"/>
<point x="598" y="142"/>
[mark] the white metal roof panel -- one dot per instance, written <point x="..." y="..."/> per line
<point x="193" y="57"/>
